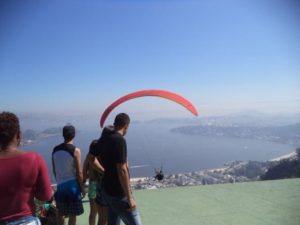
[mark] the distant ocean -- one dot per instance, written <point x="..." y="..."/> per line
<point x="152" y="146"/>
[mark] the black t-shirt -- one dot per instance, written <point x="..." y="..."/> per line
<point x="96" y="146"/>
<point x="95" y="149"/>
<point x="114" y="151"/>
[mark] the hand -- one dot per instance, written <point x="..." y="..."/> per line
<point x="84" y="179"/>
<point x="83" y="192"/>
<point x="132" y="204"/>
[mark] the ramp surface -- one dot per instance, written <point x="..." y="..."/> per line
<point x="253" y="203"/>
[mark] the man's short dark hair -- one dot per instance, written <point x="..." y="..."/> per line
<point x="68" y="132"/>
<point x="9" y="127"/>
<point x="121" y="120"/>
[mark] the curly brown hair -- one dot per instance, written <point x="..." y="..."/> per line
<point x="9" y="127"/>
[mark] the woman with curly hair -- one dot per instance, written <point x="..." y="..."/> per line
<point x="23" y="176"/>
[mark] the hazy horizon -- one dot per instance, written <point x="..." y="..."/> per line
<point x="40" y="121"/>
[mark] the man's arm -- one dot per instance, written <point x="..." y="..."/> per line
<point x="78" y="169"/>
<point x="85" y="169"/>
<point x="122" y="170"/>
<point x="95" y="164"/>
<point x="43" y="190"/>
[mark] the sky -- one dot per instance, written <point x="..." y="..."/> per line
<point x="76" y="57"/>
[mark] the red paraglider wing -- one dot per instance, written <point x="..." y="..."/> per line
<point x="159" y="93"/>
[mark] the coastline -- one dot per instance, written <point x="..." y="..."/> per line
<point x="286" y="156"/>
<point x="232" y="172"/>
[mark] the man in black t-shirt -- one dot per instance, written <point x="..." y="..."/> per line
<point x="116" y="188"/>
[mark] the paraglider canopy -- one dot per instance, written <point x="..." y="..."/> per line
<point x="159" y="93"/>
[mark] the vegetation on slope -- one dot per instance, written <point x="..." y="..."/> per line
<point x="286" y="168"/>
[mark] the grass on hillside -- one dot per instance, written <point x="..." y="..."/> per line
<point x="253" y="203"/>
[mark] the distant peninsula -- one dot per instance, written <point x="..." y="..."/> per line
<point x="30" y="136"/>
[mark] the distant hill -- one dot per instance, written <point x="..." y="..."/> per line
<point x="289" y="134"/>
<point x="30" y="136"/>
<point x="245" y="119"/>
<point x="52" y="131"/>
<point x="286" y="168"/>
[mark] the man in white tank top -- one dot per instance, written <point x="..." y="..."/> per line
<point x="68" y="174"/>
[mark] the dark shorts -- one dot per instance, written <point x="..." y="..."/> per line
<point x="99" y="198"/>
<point x="70" y="209"/>
<point x="118" y="208"/>
<point x="69" y="199"/>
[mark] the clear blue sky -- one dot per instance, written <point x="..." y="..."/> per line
<point x="79" y="56"/>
